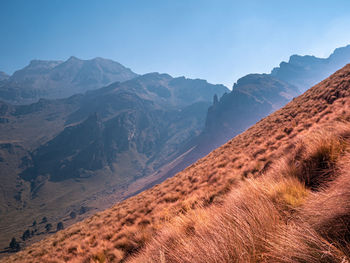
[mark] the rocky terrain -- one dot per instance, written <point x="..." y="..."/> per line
<point x="86" y="152"/>
<point x="275" y="193"/>
<point x="57" y="156"/>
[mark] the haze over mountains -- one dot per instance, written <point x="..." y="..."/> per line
<point x="257" y="95"/>
<point x="59" y="79"/>
<point x="278" y="192"/>
<point x="57" y="155"/>
<point x="151" y="115"/>
<point x="306" y="71"/>
<point x="231" y="115"/>
<point x="269" y="92"/>
<point x="95" y="148"/>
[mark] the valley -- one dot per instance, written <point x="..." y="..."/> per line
<point x="84" y="153"/>
<point x="290" y="158"/>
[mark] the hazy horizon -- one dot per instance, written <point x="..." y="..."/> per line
<point x="219" y="42"/>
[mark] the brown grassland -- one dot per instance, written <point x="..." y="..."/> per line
<point x="279" y="192"/>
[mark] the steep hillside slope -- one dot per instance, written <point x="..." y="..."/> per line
<point x="59" y="79"/>
<point x="57" y="156"/>
<point x="296" y="212"/>
<point x="254" y="96"/>
<point x="117" y="233"/>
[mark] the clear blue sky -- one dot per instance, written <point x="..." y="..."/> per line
<point x="217" y="40"/>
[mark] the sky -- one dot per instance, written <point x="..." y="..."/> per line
<point x="216" y="40"/>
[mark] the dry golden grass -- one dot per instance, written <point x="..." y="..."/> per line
<point x="278" y="217"/>
<point x="241" y="203"/>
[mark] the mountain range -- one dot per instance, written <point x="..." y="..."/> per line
<point x="85" y="150"/>
<point x="269" y="92"/>
<point x="59" y="79"/>
<point x="255" y="96"/>
<point x="110" y="141"/>
<point x="306" y="71"/>
<point x="278" y="192"/>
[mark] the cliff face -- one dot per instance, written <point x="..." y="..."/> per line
<point x="252" y="98"/>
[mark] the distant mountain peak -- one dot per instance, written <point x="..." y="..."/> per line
<point x="73" y="58"/>
<point x="306" y="71"/>
<point x="42" y="61"/>
<point x="156" y="75"/>
<point x="38" y="63"/>
<point x="59" y="79"/>
<point x="341" y="49"/>
<point x="249" y="78"/>
<point x="297" y="59"/>
<point x="341" y="53"/>
<point x="101" y="59"/>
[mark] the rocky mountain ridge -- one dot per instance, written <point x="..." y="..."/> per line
<point x="305" y="71"/>
<point x="59" y="79"/>
<point x="87" y="149"/>
<point x="178" y="208"/>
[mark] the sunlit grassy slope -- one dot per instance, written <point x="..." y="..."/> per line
<point x="278" y="192"/>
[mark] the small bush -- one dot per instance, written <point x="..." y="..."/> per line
<point x="14" y="245"/>
<point x="26" y="235"/>
<point x="48" y="227"/>
<point x="59" y="226"/>
<point x="73" y="214"/>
